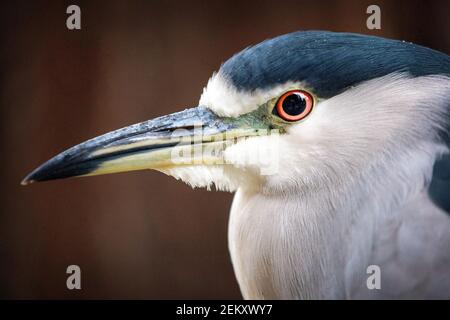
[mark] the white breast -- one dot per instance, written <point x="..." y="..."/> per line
<point x="277" y="254"/>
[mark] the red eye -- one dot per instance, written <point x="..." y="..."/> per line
<point x="294" y="105"/>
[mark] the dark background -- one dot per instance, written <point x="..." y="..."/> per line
<point x="141" y="234"/>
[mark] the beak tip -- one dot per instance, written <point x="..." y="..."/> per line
<point x="27" y="180"/>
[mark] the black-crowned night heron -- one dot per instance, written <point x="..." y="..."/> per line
<point x="329" y="141"/>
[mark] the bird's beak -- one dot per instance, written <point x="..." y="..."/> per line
<point x="173" y="140"/>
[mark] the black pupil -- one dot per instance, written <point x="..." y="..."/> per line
<point x="294" y="104"/>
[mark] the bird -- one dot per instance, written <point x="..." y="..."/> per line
<point x="336" y="146"/>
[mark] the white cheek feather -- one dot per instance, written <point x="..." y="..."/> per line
<point x="371" y="124"/>
<point x="222" y="177"/>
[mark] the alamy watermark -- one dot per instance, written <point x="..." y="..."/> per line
<point x="73" y="21"/>
<point x="195" y="147"/>
<point x="374" y="20"/>
<point x="374" y="280"/>
<point x="74" y="279"/>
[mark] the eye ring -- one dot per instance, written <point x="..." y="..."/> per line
<point x="294" y="105"/>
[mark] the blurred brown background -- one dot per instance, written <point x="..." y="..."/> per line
<point x="142" y="234"/>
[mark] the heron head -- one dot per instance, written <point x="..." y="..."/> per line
<point x="295" y="110"/>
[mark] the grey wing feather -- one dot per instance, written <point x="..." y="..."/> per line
<point x="440" y="184"/>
